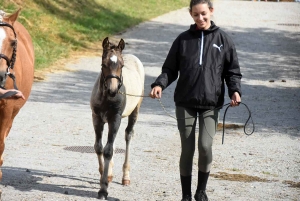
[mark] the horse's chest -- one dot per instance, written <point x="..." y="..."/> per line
<point x="108" y="110"/>
<point x="103" y="116"/>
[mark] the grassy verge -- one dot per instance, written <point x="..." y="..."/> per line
<point x="62" y="28"/>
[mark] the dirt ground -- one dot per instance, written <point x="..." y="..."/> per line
<point x="49" y="151"/>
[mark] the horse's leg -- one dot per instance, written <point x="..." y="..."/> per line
<point x="98" y="127"/>
<point x="113" y="127"/>
<point x="5" y="126"/>
<point x="110" y="170"/>
<point x="129" y="132"/>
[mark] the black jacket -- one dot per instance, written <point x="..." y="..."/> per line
<point x="204" y="59"/>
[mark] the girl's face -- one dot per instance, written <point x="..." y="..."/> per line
<point x="201" y="14"/>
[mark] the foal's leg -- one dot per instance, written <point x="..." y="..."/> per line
<point x="110" y="169"/>
<point x="113" y="127"/>
<point x="98" y="127"/>
<point x="129" y="132"/>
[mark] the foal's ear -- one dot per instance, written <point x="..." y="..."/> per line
<point x="121" y="44"/>
<point x="13" y="17"/>
<point x="105" y="43"/>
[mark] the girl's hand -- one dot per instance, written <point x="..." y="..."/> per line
<point x="19" y="95"/>
<point x="156" y="92"/>
<point x="235" y="99"/>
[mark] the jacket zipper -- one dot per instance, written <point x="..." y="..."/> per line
<point x="201" y="50"/>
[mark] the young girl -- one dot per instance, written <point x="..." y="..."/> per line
<point x="205" y="58"/>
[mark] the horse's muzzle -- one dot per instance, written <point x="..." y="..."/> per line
<point x="112" y="93"/>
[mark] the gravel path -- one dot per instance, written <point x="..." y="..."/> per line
<point x="48" y="153"/>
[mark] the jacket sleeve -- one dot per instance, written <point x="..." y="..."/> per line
<point x="232" y="72"/>
<point x="170" y="68"/>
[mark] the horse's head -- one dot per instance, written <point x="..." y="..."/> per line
<point x="8" y="44"/>
<point x="112" y="63"/>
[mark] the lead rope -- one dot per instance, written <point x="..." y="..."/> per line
<point x="224" y="117"/>
<point x="246" y="123"/>
<point x="8" y="94"/>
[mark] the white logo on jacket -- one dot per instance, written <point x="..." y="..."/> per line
<point x="219" y="48"/>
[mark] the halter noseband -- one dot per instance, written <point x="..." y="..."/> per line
<point x="10" y="62"/>
<point x="120" y="79"/>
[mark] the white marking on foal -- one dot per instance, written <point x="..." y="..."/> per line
<point x="2" y="37"/>
<point x="114" y="58"/>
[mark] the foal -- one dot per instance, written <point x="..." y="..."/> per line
<point x="120" y="75"/>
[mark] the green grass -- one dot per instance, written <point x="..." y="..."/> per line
<point x="61" y="28"/>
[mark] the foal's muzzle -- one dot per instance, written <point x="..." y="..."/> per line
<point x="112" y="93"/>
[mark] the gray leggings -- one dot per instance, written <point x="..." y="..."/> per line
<point x="208" y="121"/>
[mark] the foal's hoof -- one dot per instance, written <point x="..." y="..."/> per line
<point x="102" y="195"/>
<point x="125" y="182"/>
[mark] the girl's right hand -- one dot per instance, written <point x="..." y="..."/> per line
<point x="156" y="92"/>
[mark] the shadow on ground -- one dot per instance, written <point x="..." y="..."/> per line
<point x="26" y="180"/>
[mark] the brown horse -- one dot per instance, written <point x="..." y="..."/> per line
<point x="120" y="74"/>
<point x="16" y="70"/>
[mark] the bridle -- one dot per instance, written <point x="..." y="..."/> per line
<point x="10" y="62"/>
<point x="119" y="78"/>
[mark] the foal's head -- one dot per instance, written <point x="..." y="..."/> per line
<point x="8" y="44"/>
<point x="112" y="63"/>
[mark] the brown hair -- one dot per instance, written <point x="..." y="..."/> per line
<point x="195" y="2"/>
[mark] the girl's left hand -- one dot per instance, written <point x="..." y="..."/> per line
<point x="235" y="99"/>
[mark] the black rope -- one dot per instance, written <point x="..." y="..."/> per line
<point x="246" y="123"/>
<point x="217" y="108"/>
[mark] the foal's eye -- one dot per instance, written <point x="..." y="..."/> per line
<point x="103" y="65"/>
